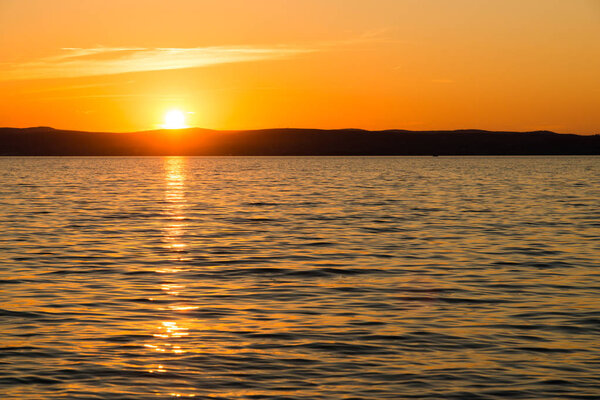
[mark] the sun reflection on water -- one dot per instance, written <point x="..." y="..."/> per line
<point x="168" y="334"/>
<point x="175" y="203"/>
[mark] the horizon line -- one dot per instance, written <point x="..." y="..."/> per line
<point x="307" y="129"/>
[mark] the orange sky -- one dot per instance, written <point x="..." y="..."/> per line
<point x="239" y="64"/>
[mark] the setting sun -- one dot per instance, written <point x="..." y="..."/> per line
<point x="175" y="119"/>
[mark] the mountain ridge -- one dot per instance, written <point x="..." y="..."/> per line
<point x="47" y="141"/>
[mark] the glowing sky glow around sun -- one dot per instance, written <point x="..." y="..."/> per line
<point x="175" y="119"/>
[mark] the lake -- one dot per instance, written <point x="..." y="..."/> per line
<point x="300" y="278"/>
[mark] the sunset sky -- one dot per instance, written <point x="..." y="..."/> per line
<point x="101" y="65"/>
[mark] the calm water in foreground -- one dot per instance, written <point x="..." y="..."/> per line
<point x="300" y="278"/>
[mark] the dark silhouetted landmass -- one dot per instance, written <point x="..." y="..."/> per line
<point x="44" y="141"/>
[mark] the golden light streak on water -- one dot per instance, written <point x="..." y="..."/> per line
<point x="167" y="333"/>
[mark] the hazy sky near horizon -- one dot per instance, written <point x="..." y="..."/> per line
<point x="238" y="64"/>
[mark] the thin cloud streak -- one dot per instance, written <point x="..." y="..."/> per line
<point x="77" y="87"/>
<point x="77" y="62"/>
<point x="109" y="96"/>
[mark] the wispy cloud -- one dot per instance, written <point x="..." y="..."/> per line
<point x="68" y="88"/>
<point x="74" y="62"/>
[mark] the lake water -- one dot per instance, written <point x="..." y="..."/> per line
<point x="300" y="278"/>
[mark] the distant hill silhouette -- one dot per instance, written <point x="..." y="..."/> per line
<point x="45" y="141"/>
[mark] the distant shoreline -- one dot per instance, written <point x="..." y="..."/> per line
<point x="45" y="141"/>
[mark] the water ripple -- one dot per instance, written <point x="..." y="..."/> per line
<point x="300" y="278"/>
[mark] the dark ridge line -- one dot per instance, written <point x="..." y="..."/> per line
<point x="47" y="141"/>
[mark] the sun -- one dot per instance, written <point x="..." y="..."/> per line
<point x="175" y="119"/>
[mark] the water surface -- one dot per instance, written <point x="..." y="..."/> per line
<point x="300" y="278"/>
